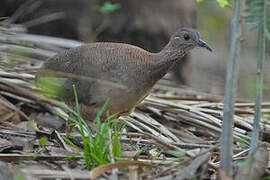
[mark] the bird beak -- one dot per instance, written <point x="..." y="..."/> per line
<point x="203" y="44"/>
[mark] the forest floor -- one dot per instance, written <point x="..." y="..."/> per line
<point x="174" y="134"/>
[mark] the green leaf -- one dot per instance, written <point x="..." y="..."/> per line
<point x="116" y="147"/>
<point x="255" y="27"/>
<point x="254" y="3"/>
<point x="243" y="163"/>
<point x="43" y="141"/>
<point x="69" y="142"/>
<point x="108" y="7"/>
<point x="258" y="13"/>
<point x="72" y="156"/>
<point x="223" y="3"/>
<point x="100" y="112"/>
<point x="177" y="153"/>
<point x="19" y="176"/>
<point x="253" y="10"/>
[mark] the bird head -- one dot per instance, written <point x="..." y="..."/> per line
<point x="187" y="39"/>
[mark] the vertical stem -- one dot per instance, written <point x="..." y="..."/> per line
<point x="227" y="125"/>
<point x="259" y="88"/>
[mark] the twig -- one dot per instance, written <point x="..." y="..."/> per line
<point x="21" y="11"/>
<point x="20" y="157"/>
<point x="44" y="19"/>
<point x="156" y="139"/>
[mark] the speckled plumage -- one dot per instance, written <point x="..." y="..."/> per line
<point x="121" y="72"/>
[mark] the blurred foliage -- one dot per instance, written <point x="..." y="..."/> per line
<point x="14" y="56"/>
<point x="107" y="7"/>
<point x="243" y="163"/>
<point x="249" y="86"/>
<point x="212" y="24"/>
<point x="222" y="3"/>
<point x="258" y="13"/>
<point x="20" y="177"/>
<point x="50" y="85"/>
<point x="17" y="50"/>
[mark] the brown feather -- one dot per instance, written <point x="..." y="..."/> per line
<point x="121" y="72"/>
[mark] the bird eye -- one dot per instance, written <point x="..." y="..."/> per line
<point x="186" y="37"/>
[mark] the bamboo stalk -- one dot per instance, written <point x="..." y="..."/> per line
<point x="230" y="88"/>
<point x="259" y="88"/>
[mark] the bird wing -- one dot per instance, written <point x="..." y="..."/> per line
<point x="98" y="70"/>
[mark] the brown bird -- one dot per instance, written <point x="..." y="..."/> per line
<point x="122" y="73"/>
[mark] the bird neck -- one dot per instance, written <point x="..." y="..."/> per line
<point x="163" y="61"/>
<point x="168" y="56"/>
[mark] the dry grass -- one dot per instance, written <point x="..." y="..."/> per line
<point x="174" y="133"/>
